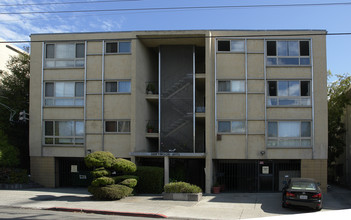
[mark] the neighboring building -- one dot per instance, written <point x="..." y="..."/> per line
<point x="241" y="108"/>
<point x="6" y="51"/>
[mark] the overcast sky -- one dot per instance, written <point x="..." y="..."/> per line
<point x="333" y="18"/>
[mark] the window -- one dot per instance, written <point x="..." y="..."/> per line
<point x="289" y="134"/>
<point x="118" y="47"/>
<point x="63" y="132"/>
<point x="237" y="127"/>
<point x="231" y="45"/>
<point x="64" y="55"/>
<point x="118" y="87"/>
<point x="231" y="86"/>
<point x="64" y="94"/>
<point x="120" y="126"/>
<point x="292" y="52"/>
<point x="289" y="93"/>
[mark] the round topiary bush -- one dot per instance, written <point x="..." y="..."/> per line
<point x="124" y="166"/>
<point x="100" y="172"/>
<point x="119" y="179"/>
<point x="103" y="181"/>
<point x="129" y="182"/>
<point x="181" y="187"/>
<point x="100" y="159"/>
<point x="110" y="192"/>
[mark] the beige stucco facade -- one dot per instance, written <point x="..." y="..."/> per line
<point x="141" y="65"/>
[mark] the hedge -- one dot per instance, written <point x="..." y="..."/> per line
<point x="103" y="181"/>
<point x="110" y="192"/>
<point x="11" y="176"/>
<point x="150" y="180"/>
<point x="181" y="187"/>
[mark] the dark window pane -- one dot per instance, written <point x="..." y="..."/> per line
<point x="111" y="86"/>
<point x="49" y="128"/>
<point x="305" y="88"/>
<point x="224" y="45"/>
<point x="49" y="89"/>
<point x="288" y="61"/>
<point x="111" y="126"/>
<point x="80" y="50"/>
<point x="272" y="129"/>
<point x="304" y="48"/>
<point x="111" y="47"/>
<point x="305" y="129"/>
<point x="271" y="48"/>
<point x="224" y="86"/>
<point x="79" y="89"/>
<point x="305" y="61"/>
<point x="224" y="126"/>
<point x="124" y="47"/>
<point x="50" y="51"/>
<point x="271" y="61"/>
<point x="272" y="88"/>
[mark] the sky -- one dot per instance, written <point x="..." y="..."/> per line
<point x="17" y="25"/>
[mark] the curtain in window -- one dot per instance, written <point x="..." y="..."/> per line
<point x="65" y="89"/>
<point x="64" y="128"/>
<point x="124" y="126"/>
<point x="237" y="86"/>
<point x="289" y="129"/>
<point x="65" y="51"/>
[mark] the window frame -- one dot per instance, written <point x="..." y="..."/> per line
<point x="277" y="139"/>
<point x="78" y="62"/>
<point x="278" y="57"/>
<point x="118" y="42"/>
<point x="55" y="137"/>
<point x="231" y="49"/>
<point x="231" y="127"/>
<point x="279" y="98"/>
<point x="118" y="86"/>
<point x="230" y="81"/>
<point x="54" y="98"/>
<point x="117" y="126"/>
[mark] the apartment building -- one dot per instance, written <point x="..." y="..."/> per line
<point x="243" y="109"/>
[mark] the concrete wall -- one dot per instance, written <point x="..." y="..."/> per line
<point x="43" y="170"/>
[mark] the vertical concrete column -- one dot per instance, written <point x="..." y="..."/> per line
<point x="208" y="174"/>
<point x="166" y="168"/>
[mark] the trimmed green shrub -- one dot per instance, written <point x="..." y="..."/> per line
<point x="129" y="182"/>
<point x="119" y="179"/>
<point x="110" y="192"/>
<point x="181" y="187"/>
<point x="100" y="172"/>
<point x="124" y="166"/>
<point x="10" y="176"/>
<point x="150" y="179"/>
<point x="103" y="181"/>
<point x="100" y="159"/>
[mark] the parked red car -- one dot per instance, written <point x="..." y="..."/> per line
<point x="302" y="192"/>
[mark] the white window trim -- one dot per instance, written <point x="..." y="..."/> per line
<point x="54" y="98"/>
<point x="278" y="98"/>
<point x="299" y="57"/>
<point x="118" y="42"/>
<point x="55" y="60"/>
<point x="300" y="138"/>
<point x="117" y="132"/>
<point x="61" y="137"/>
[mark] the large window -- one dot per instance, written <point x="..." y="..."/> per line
<point x="63" y="132"/>
<point x="118" y="87"/>
<point x="289" y="134"/>
<point x="64" y="55"/>
<point x="118" y="126"/>
<point x="64" y="94"/>
<point x="289" y="93"/>
<point x="236" y="127"/>
<point x="231" y="86"/>
<point x="292" y="52"/>
<point x="231" y="45"/>
<point x="118" y="47"/>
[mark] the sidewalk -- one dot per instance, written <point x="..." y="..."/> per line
<point x="219" y="206"/>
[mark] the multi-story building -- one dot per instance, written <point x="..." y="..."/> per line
<point x="241" y="108"/>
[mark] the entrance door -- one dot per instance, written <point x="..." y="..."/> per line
<point x="265" y="176"/>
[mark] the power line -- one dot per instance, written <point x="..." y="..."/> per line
<point x="65" y="3"/>
<point x="182" y="8"/>
<point x="187" y="37"/>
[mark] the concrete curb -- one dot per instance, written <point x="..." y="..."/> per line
<point x="105" y="212"/>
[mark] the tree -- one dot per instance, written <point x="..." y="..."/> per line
<point x="14" y="93"/>
<point x="339" y="96"/>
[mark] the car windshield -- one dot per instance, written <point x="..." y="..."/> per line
<point x="303" y="185"/>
